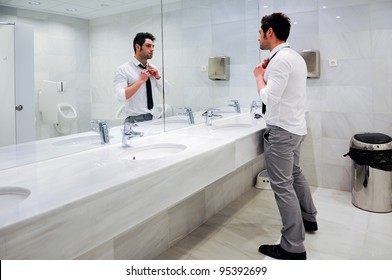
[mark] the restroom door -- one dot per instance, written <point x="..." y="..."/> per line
<point x="25" y="97"/>
<point x="7" y="85"/>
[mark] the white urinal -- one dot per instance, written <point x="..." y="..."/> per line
<point x="66" y="116"/>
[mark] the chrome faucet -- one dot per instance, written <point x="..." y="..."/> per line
<point x="188" y="112"/>
<point x="101" y="127"/>
<point x="253" y="109"/>
<point x="255" y="105"/>
<point x="210" y="115"/>
<point x="236" y="105"/>
<point x="128" y="133"/>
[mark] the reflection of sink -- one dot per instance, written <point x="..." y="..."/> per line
<point x="80" y="141"/>
<point x="153" y="151"/>
<point x="231" y="126"/>
<point x="11" y="196"/>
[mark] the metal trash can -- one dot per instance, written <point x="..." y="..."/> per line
<point x="372" y="156"/>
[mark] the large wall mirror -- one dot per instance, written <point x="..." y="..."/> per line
<point x="81" y="53"/>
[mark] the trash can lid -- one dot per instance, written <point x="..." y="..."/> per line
<point x="373" y="138"/>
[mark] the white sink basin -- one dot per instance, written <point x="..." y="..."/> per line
<point x="80" y="141"/>
<point x="153" y="151"/>
<point x="12" y="196"/>
<point x="230" y="126"/>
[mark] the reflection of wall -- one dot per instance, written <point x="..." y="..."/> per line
<point x="61" y="52"/>
<point x="7" y="85"/>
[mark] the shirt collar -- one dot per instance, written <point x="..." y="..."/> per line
<point x="135" y="62"/>
<point x="278" y="48"/>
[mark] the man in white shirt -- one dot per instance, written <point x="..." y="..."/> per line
<point x="137" y="83"/>
<point x="281" y="84"/>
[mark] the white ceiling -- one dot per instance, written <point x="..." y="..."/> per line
<point x="87" y="9"/>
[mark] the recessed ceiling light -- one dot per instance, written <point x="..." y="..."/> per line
<point x="72" y="10"/>
<point x="34" y="3"/>
<point x="265" y="6"/>
<point x="324" y="7"/>
<point x="337" y="17"/>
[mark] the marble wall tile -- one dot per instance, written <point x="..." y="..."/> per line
<point x="344" y="19"/>
<point x="333" y="151"/>
<point x="382" y="100"/>
<point x="337" y="177"/>
<point x="223" y="11"/>
<point x="228" y="40"/>
<point x="347" y="99"/>
<point x="344" y="126"/>
<point x="383" y="123"/>
<point x="303" y="23"/>
<point x="380" y="14"/>
<point x="381" y="41"/>
<point x="354" y="45"/>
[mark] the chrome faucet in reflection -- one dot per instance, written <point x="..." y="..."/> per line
<point x="128" y="133"/>
<point x="102" y="128"/>
<point x="236" y="105"/>
<point x="210" y="115"/>
<point x="188" y="112"/>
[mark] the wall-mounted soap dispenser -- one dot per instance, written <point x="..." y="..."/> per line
<point x="312" y="59"/>
<point x="219" y="68"/>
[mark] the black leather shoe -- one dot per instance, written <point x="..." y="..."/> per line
<point x="277" y="252"/>
<point x="310" y="226"/>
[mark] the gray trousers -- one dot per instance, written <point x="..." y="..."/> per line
<point x="291" y="190"/>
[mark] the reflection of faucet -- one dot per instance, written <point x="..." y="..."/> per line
<point x="101" y="127"/>
<point x="255" y="105"/>
<point x="236" y="105"/>
<point x="128" y="133"/>
<point x="253" y="109"/>
<point x="209" y="114"/>
<point x="189" y="113"/>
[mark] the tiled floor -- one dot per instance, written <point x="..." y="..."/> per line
<point x="236" y="232"/>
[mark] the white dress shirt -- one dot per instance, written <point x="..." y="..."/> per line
<point x="126" y="75"/>
<point x="285" y="92"/>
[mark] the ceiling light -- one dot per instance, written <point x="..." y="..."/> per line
<point x="72" y="10"/>
<point x="34" y="3"/>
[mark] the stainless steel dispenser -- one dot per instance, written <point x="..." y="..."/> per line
<point x="312" y="59"/>
<point x="219" y="68"/>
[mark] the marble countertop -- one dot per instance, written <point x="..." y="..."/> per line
<point x="94" y="177"/>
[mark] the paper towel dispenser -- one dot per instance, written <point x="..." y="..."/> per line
<point x="312" y="59"/>
<point x="219" y="68"/>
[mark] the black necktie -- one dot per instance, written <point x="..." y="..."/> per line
<point x="150" y="102"/>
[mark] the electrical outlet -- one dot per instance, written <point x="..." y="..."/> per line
<point x="333" y="62"/>
<point x="203" y="68"/>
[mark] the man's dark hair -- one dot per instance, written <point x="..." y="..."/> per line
<point x="140" y="38"/>
<point x="279" y="22"/>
